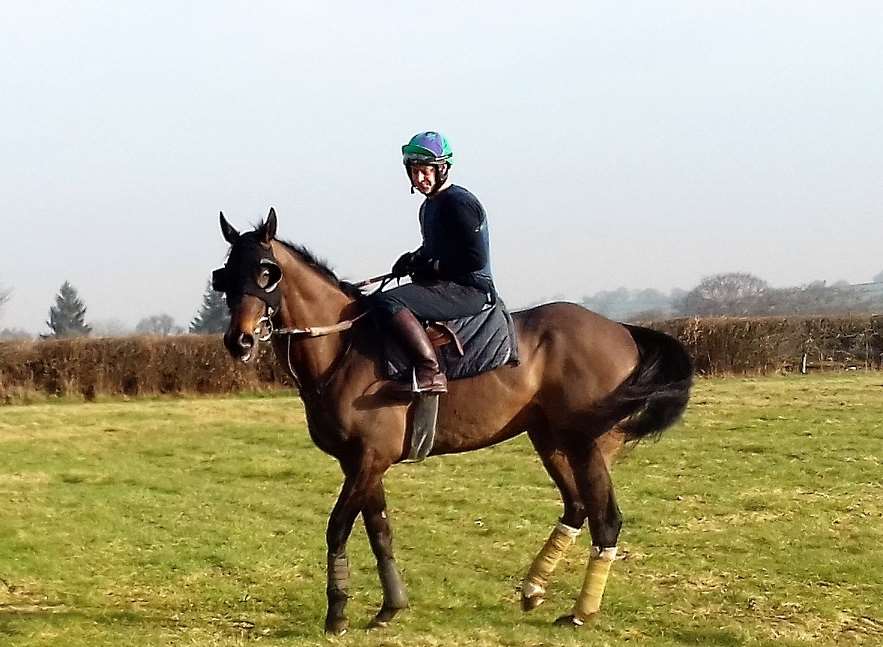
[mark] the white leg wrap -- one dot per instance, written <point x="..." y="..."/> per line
<point x="561" y="539"/>
<point x="589" y="601"/>
<point x="569" y="530"/>
<point x="605" y="554"/>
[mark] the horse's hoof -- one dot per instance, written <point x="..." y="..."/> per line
<point x="529" y="604"/>
<point x="383" y="618"/>
<point x="572" y="621"/>
<point x="336" y="626"/>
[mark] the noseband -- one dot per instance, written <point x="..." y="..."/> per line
<point x="264" y="329"/>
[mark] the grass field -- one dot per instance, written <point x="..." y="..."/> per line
<point x="757" y="521"/>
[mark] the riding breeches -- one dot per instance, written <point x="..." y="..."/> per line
<point x="433" y="301"/>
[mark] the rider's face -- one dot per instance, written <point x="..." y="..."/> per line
<point x="423" y="177"/>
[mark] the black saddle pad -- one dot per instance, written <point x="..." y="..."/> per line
<point x="488" y="340"/>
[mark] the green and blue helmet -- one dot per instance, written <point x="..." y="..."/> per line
<point x="427" y="148"/>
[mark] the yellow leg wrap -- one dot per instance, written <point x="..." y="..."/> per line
<point x="589" y="600"/>
<point x="562" y="538"/>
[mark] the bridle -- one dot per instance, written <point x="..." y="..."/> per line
<point x="264" y="329"/>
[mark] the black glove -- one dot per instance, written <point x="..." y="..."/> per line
<point x="405" y="264"/>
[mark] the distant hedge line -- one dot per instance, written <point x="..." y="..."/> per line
<point x="129" y="366"/>
<point x="745" y="346"/>
<point x="132" y="366"/>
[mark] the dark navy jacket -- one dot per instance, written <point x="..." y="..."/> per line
<point x="455" y="233"/>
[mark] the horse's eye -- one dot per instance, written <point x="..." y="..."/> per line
<point x="263" y="279"/>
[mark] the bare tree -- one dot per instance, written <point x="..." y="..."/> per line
<point x="161" y="324"/>
<point x="15" y="334"/>
<point x="732" y="293"/>
<point x="111" y="327"/>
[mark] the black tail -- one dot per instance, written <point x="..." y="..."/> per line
<point x="656" y="393"/>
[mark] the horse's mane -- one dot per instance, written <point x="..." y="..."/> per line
<point x="316" y="263"/>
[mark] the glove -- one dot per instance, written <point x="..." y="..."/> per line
<point x="405" y="264"/>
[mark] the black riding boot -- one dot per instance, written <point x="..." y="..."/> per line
<point x="413" y="338"/>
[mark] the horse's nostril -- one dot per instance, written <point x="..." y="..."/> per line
<point x="246" y="340"/>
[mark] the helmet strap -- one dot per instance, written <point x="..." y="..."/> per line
<point x="441" y="176"/>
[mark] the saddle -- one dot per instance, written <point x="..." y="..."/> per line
<point x="465" y="347"/>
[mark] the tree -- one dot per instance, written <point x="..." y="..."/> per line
<point x="733" y="293"/>
<point x="111" y="327"/>
<point x="213" y="315"/>
<point x="623" y="304"/>
<point x="878" y="277"/>
<point x="4" y="296"/>
<point x="67" y="318"/>
<point x="161" y="324"/>
<point x="14" y="334"/>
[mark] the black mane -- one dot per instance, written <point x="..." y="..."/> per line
<point x="321" y="266"/>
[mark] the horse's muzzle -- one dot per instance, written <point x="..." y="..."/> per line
<point x="241" y="346"/>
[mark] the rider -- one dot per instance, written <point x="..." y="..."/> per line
<point x="450" y="271"/>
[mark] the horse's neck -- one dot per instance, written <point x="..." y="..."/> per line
<point x="310" y="299"/>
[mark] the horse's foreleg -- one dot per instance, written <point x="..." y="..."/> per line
<point x="395" y="598"/>
<point x="340" y="525"/>
<point x="605" y="522"/>
<point x="533" y="589"/>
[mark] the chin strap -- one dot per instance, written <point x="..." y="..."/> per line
<point x="441" y="176"/>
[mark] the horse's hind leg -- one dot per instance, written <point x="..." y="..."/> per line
<point x="533" y="588"/>
<point x="605" y="521"/>
<point x="380" y="536"/>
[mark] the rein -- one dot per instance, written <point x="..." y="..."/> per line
<point x="316" y="331"/>
<point x="265" y="330"/>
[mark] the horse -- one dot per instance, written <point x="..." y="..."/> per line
<point x="584" y="386"/>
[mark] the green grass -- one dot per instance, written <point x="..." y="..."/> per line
<point x="757" y="521"/>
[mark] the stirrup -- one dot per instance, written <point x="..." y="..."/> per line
<point x="423" y="425"/>
<point x="433" y="388"/>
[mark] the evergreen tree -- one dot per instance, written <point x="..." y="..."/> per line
<point x="67" y="318"/>
<point x="213" y="315"/>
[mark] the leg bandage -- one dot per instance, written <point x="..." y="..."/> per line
<point x="589" y="600"/>
<point x="562" y="538"/>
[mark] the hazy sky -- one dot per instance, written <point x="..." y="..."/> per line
<point x="613" y="144"/>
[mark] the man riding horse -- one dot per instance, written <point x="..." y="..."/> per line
<point x="450" y="271"/>
<point x="583" y="387"/>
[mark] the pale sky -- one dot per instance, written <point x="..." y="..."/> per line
<point x="612" y="143"/>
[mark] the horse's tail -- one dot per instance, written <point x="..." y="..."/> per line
<point x="655" y="395"/>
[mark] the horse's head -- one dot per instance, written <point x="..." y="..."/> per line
<point x="250" y="280"/>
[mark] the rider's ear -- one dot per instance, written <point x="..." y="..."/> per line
<point x="270" y="226"/>
<point x="230" y="234"/>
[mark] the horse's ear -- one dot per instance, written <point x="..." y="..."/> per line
<point x="230" y="234"/>
<point x="270" y="226"/>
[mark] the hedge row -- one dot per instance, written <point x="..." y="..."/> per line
<point x="744" y="346"/>
<point x="129" y="366"/>
<point x="133" y="366"/>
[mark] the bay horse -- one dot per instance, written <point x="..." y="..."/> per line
<point x="584" y="386"/>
